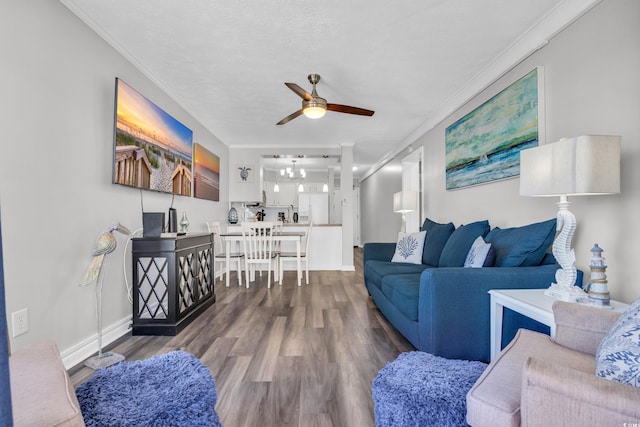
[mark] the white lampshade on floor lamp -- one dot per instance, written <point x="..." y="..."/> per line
<point x="583" y="165"/>
<point x="403" y="202"/>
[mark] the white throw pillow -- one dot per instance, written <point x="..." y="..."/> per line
<point x="478" y="253"/>
<point x="409" y="247"/>
<point x="618" y="355"/>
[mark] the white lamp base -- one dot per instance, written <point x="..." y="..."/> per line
<point x="565" y="293"/>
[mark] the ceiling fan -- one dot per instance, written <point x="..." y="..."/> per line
<point x="315" y="107"/>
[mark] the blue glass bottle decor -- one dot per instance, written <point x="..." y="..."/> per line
<point x="233" y="216"/>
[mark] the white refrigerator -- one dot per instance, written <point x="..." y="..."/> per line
<point x="313" y="207"/>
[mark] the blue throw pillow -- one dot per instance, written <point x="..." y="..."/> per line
<point x="618" y="355"/>
<point x="455" y="251"/>
<point x="437" y="236"/>
<point x="522" y="246"/>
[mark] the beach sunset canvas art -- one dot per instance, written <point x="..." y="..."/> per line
<point x="206" y="174"/>
<point x="152" y="150"/>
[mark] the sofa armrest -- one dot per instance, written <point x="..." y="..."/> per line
<point x="559" y="395"/>
<point x="378" y="251"/>
<point x="41" y="391"/>
<point x="454" y="302"/>
<point x="580" y="327"/>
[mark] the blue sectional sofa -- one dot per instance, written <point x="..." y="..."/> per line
<point x="442" y="307"/>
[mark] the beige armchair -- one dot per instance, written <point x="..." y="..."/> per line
<point x="536" y="381"/>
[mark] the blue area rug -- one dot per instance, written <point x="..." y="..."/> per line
<point x="173" y="389"/>
<point x="420" y="389"/>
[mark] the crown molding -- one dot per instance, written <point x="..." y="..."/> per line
<point x="532" y="40"/>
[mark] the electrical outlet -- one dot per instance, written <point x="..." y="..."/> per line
<point x="20" y="321"/>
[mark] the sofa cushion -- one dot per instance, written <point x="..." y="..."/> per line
<point x="457" y="247"/>
<point x="478" y="255"/>
<point x="437" y="236"/>
<point x="494" y="400"/>
<point x="522" y="246"/>
<point x="409" y="247"/>
<point x="403" y="291"/>
<point x="375" y="270"/>
<point x="618" y="355"/>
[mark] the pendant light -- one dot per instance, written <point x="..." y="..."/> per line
<point x="276" y="187"/>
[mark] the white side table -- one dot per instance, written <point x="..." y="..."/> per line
<point x="532" y="303"/>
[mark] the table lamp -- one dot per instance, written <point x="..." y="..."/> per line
<point x="403" y="202"/>
<point x="583" y="165"/>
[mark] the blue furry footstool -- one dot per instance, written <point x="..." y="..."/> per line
<point x="420" y="389"/>
<point x="171" y="390"/>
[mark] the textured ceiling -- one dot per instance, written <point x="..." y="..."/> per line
<point x="226" y="61"/>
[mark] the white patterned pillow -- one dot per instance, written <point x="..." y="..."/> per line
<point x="618" y="356"/>
<point x="409" y="247"/>
<point x="477" y="254"/>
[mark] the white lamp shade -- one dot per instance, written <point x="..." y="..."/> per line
<point x="581" y="165"/>
<point x="405" y="201"/>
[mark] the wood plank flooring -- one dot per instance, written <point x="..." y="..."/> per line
<point x="285" y="356"/>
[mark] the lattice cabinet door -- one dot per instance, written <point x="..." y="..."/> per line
<point x="173" y="282"/>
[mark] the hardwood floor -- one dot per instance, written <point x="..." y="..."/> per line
<point x="285" y="356"/>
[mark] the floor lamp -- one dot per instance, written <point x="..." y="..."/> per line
<point x="579" y="166"/>
<point x="403" y="202"/>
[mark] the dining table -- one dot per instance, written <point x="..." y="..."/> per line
<point x="278" y="236"/>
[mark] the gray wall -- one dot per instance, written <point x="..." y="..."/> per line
<point x="592" y="87"/>
<point x="55" y="179"/>
<point x="378" y="221"/>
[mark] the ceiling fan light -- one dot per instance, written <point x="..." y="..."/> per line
<point x="314" y="112"/>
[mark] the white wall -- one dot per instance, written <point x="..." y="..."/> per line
<point x="55" y="179"/>
<point x="592" y="87"/>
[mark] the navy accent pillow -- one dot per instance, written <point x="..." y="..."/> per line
<point x="437" y="236"/>
<point x="455" y="251"/>
<point x="522" y="246"/>
<point x="490" y="260"/>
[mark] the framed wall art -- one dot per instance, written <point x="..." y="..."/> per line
<point x="151" y="149"/>
<point x="485" y="145"/>
<point x="206" y="174"/>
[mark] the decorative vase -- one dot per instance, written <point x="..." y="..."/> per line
<point x="184" y="222"/>
<point x="233" y="216"/>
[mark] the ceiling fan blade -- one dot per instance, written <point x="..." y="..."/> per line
<point x="349" y="110"/>
<point x="290" y="117"/>
<point x="299" y="91"/>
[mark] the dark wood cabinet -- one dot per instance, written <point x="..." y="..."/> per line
<point x="172" y="282"/>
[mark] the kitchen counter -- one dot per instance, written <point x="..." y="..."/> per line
<point x="325" y="247"/>
<point x="302" y="224"/>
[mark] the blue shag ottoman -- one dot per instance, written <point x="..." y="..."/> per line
<point x="420" y="389"/>
<point x="171" y="390"/>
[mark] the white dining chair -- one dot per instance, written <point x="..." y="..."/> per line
<point x="292" y="256"/>
<point x="257" y="241"/>
<point x="220" y="254"/>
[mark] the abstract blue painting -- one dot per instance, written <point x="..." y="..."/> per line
<point x="485" y="145"/>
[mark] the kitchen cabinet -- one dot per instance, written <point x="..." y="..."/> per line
<point x="287" y="195"/>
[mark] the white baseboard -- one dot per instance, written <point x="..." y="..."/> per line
<point x="348" y="268"/>
<point x="87" y="348"/>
